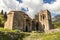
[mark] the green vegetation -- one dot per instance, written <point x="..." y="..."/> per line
<point x="56" y="24"/>
<point x="2" y="20"/>
<point x="53" y="36"/>
<point x="43" y="36"/>
<point x="3" y="17"/>
<point x="6" y="34"/>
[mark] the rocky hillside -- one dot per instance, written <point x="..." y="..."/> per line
<point x="56" y="18"/>
<point x="56" y="21"/>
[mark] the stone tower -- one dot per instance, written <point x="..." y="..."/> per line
<point x="44" y="18"/>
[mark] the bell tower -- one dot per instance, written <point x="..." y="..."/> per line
<point x="45" y="20"/>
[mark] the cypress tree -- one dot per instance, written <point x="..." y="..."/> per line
<point x="1" y="11"/>
<point x="5" y="15"/>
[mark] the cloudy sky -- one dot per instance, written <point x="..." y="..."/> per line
<point x="31" y="7"/>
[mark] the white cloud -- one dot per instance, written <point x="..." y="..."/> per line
<point x="2" y="6"/>
<point x="33" y="6"/>
<point x="11" y="4"/>
<point x="54" y="7"/>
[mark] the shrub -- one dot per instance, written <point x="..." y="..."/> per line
<point x="6" y="34"/>
<point x="56" y="24"/>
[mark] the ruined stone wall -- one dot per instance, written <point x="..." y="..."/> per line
<point x="9" y="22"/>
<point x="18" y="21"/>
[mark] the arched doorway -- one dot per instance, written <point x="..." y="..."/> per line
<point x="33" y="25"/>
<point x="26" y="29"/>
<point x="37" y="26"/>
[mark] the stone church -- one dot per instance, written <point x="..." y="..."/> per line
<point x="21" y="21"/>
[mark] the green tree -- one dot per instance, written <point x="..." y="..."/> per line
<point x="5" y="15"/>
<point x="2" y="20"/>
<point x="1" y="11"/>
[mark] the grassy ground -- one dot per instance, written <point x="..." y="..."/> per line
<point x="34" y="36"/>
<point x="51" y="36"/>
<point x="28" y="35"/>
<point x="43" y="36"/>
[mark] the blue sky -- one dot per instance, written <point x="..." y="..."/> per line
<point x="45" y="1"/>
<point x="20" y="1"/>
<point x="49" y="1"/>
<point x="31" y="7"/>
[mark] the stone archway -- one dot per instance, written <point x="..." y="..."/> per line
<point x="37" y="26"/>
<point x="26" y="29"/>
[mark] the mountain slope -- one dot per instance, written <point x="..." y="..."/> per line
<point x="56" y="21"/>
<point x="56" y="18"/>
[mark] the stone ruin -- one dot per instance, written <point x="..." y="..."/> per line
<point x="21" y="21"/>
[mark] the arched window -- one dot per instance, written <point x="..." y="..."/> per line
<point x="43" y="16"/>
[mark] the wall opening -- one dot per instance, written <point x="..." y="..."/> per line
<point x="27" y="25"/>
<point x="37" y="26"/>
<point x="33" y="25"/>
<point x="26" y="29"/>
<point x="43" y="17"/>
<point x="43" y="27"/>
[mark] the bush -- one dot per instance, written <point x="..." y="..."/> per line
<point x="56" y="24"/>
<point x="6" y="34"/>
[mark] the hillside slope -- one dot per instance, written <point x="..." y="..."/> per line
<point x="56" y="21"/>
<point x="56" y="18"/>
